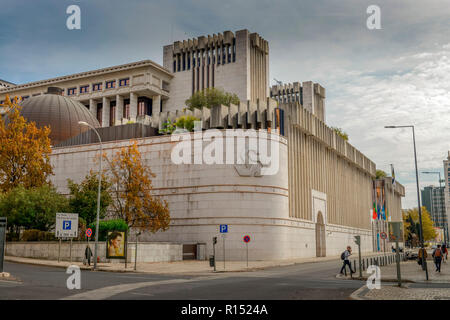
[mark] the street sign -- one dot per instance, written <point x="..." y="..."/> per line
<point x="246" y="239"/>
<point x="383" y="235"/>
<point x="66" y="225"/>
<point x="89" y="232"/>
<point x="223" y="228"/>
<point x="3" y="221"/>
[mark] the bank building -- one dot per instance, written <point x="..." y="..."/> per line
<point x="322" y="194"/>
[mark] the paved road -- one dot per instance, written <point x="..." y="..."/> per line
<point x="303" y="281"/>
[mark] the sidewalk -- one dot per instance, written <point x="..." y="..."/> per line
<point x="418" y="288"/>
<point x="193" y="267"/>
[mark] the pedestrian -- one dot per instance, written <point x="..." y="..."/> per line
<point x="88" y="254"/>
<point x="393" y="250"/>
<point x="422" y="252"/>
<point x="344" y="256"/>
<point x="444" y="252"/>
<point x="437" y="255"/>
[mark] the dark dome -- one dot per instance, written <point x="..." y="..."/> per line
<point x="60" y="113"/>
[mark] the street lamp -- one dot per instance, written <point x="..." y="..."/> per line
<point x="440" y="186"/>
<point x="83" y="123"/>
<point x="418" y="194"/>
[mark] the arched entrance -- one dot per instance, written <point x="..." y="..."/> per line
<point x="320" y="236"/>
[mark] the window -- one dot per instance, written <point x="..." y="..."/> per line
<point x="124" y="82"/>
<point x="97" y="86"/>
<point x="84" y="89"/>
<point x="71" y="91"/>
<point x="110" y="84"/>
<point x="126" y="108"/>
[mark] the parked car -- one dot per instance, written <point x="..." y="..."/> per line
<point x="411" y="255"/>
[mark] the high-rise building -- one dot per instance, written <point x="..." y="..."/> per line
<point x="447" y="192"/>
<point x="433" y="199"/>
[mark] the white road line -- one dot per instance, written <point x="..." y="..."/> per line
<point x="107" y="292"/>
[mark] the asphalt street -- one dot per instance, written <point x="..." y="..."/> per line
<point x="303" y="281"/>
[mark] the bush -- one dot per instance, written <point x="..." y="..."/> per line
<point x="108" y="225"/>
<point x="37" y="235"/>
<point x="12" y="236"/>
<point x="186" y="122"/>
<point x="30" y="235"/>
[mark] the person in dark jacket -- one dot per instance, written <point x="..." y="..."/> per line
<point x="88" y="254"/>
<point x="437" y="255"/>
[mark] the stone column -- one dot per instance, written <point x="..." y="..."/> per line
<point x="156" y="102"/>
<point x="133" y="106"/>
<point x="93" y="107"/>
<point x="119" y="109"/>
<point x="105" y="112"/>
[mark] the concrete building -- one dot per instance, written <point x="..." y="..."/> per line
<point x="320" y="196"/>
<point x="433" y="198"/>
<point x="237" y="63"/>
<point x="446" y="179"/>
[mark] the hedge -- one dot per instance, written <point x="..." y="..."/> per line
<point x="37" y="235"/>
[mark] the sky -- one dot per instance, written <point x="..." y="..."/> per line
<point x="396" y="75"/>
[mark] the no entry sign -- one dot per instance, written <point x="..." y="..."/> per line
<point x="246" y="239"/>
<point x="89" y="232"/>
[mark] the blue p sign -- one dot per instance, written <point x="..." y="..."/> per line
<point x="67" y="225"/>
<point x="223" y="228"/>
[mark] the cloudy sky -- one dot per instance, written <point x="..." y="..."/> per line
<point x="399" y="74"/>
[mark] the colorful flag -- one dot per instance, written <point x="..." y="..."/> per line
<point x="374" y="216"/>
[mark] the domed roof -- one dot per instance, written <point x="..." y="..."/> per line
<point x="60" y="113"/>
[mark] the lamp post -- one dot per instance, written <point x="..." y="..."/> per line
<point x="440" y="187"/>
<point x="418" y="194"/>
<point x="83" y="123"/>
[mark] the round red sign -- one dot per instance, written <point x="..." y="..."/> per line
<point x="89" y="232"/>
<point x="383" y="235"/>
<point x="247" y="239"/>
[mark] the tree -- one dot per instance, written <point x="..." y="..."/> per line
<point x="380" y="174"/>
<point x="341" y="133"/>
<point x="33" y="208"/>
<point x="412" y="225"/>
<point x="24" y="150"/>
<point x="131" y="187"/>
<point x="83" y="197"/>
<point x="210" y="97"/>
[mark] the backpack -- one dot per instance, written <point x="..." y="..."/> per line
<point x="343" y="255"/>
<point x="437" y="253"/>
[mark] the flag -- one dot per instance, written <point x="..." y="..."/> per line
<point x="393" y="175"/>
<point x="374" y="215"/>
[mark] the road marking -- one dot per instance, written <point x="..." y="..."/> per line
<point x="107" y="292"/>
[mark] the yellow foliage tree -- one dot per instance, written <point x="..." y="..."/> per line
<point x="24" y="150"/>
<point x="411" y="223"/>
<point x="131" y="184"/>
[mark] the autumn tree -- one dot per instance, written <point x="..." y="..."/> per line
<point x="83" y="196"/>
<point x="24" y="150"/>
<point x="380" y="174"/>
<point x="131" y="187"/>
<point x="412" y="225"/>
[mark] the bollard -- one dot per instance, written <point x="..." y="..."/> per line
<point x="363" y="266"/>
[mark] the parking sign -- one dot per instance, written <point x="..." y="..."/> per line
<point x="66" y="225"/>
<point x="223" y="228"/>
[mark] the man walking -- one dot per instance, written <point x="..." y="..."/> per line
<point x="88" y="254"/>
<point x="344" y="256"/>
<point x="437" y="255"/>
